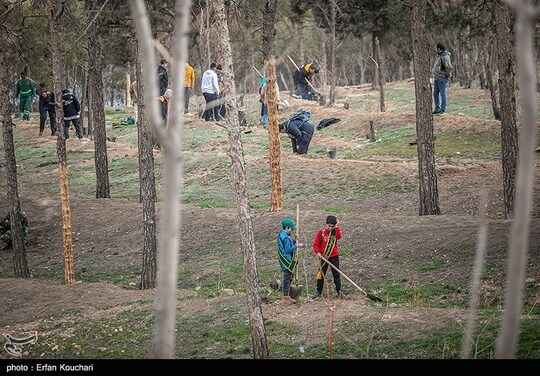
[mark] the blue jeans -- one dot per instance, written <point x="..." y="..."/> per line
<point x="43" y="111"/>
<point x="439" y="88"/>
<point x="264" y="114"/>
<point x="287" y="279"/>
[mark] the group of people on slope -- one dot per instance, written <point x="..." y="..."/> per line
<point x="166" y="93"/>
<point x="26" y="91"/>
<point x="324" y="244"/>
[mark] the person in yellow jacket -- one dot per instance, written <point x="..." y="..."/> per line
<point x="189" y="84"/>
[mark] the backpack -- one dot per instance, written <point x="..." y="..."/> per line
<point x="302" y="114"/>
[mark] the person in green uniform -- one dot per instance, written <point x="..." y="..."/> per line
<point x="26" y="91"/>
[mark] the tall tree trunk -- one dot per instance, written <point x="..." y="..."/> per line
<point x="299" y="33"/>
<point x="380" y="74"/>
<point x="509" y="132"/>
<point x="247" y="238"/>
<point x="324" y="63"/>
<point x="169" y="138"/>
<point x="491" y="85"/>
<point x="429" y="196"/>
<point x="147" y="183"/>
<point x="333" y="71"/>
<point x="54" y="15"/>
<point x="268" y="40"/>
<point x="20" y="264"/>
<point x="519" y="234"/>
<point x="95" y="101"/>
<point x="129" y="101"/>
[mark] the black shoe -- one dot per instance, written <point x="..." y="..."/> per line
<point x="340" y="294"/>
<point x="41" y="133"/>
<point x="436" y="112"/>
<point x="413" y="142"/>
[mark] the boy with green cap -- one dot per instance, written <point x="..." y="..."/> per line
<point x="288" y="256"/>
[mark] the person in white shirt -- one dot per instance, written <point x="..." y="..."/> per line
<point x="210" y="91"/>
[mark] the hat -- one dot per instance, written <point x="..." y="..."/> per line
<point x="287" y="222"/>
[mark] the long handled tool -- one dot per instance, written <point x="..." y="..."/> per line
<point x="307" y="81"/>
<point x="370" y="296"/>
<point x="296" y="289"/>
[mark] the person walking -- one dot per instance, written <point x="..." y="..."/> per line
<point x="287" y="255"/>
<point x="189" y="84"/>
<point x="210" y="91"/>
<point x="72" y="107"/>
<point x="46" y="107"/>
<point x="300" y="132"/>
<point x="442" y="70"/>
<point x="325" y="244"/>
<point x="26" y="91"/>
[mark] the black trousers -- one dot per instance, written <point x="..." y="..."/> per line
<point x="337" y="277"/>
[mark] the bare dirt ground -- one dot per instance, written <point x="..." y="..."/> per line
<point x="383" y="246"/>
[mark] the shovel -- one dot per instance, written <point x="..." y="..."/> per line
<point x="370" y="296"/>
<point x="296" y="289"/>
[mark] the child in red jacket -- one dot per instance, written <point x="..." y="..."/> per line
<point x="325" y="244"/>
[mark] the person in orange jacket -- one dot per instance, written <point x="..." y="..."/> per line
<point x="325" y="244"/>
<point x="189" y="84"/>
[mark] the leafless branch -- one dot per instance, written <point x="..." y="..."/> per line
<point x="91" y="23"/>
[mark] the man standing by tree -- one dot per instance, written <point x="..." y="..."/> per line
<point x="46" y="106"/>
<point x="441" y="74"/>
<point x="210" y="91"/>
<point x="26" y="91"/>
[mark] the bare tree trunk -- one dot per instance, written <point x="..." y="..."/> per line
<point x="169" y="138"/>
<point x="299" y="32"/>
<point x="324" y="63"/>
<point x="429" y="196"/>
<point x="20" y="264"/>
<point x="95" y="101"/>
<point x="147" y="185"/>
<point x="509" y="132"/>
<point x="129" y="101"/>
<point x="380" y="74"/>
<point x="268" y="39"/>
<point x="333" y="71"/>
<point x="491" y="86"/>
<point x="55" y="13"/>
<point x="247" y="238"/>
<point x="519" y="234"/>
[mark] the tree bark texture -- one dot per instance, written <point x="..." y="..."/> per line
<point x="491" y="85"/>
<point x="247" y="238"/>
<point x="69" y="275"/>
<point x="428" y="192"/>
<point x="269" y="30"/>
<point x="333" y="71"/>
<point x="274" y="142"/>
<point x="380" y="63"/>
<point x="20" y="264"/>
<point x="95" y="102"/>
<point x="520" y="228"/>
<point x="147" y="188"/>
<point x="509" y="132"/>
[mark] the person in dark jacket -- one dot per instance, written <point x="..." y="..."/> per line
<point x="71" y="107"/>
<point x="442" y="70"/>
<point x="303" y="81"/>
<point x="300" y="132"/>
<point x="46" y="106"/>
<point x="163" y="76"/>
